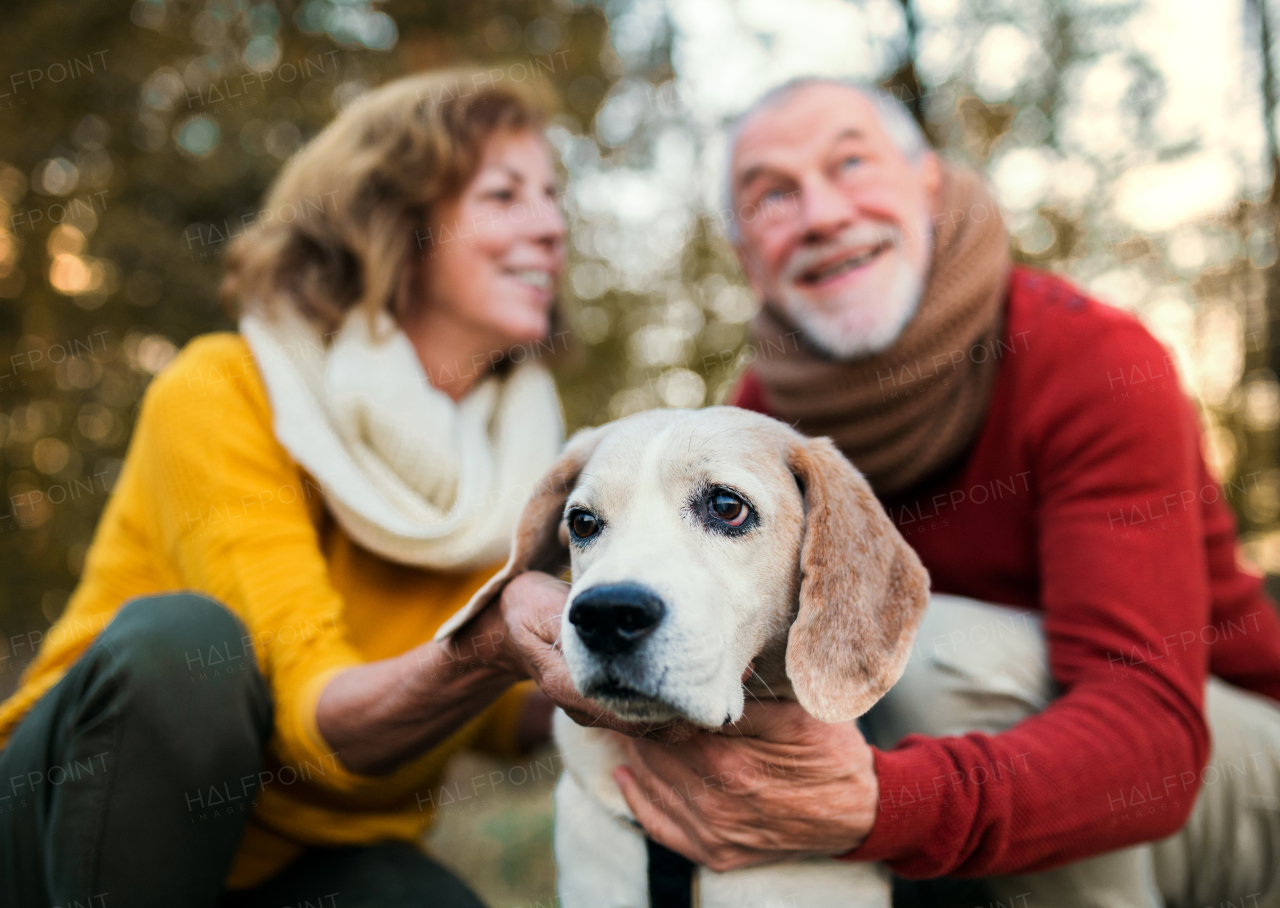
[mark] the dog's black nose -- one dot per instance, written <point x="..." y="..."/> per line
<point x="613" y="618"/>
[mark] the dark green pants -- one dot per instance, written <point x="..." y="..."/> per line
<point x="97" y="782"/>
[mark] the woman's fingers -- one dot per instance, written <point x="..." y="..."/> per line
<point x="530" y="610"/>
<point x="532" y="605"/>
<point x="535" y="601"/>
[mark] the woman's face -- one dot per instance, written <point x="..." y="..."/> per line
<point x="493" y="261"/>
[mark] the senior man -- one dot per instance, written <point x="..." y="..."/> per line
<point x="1067" y="745"/>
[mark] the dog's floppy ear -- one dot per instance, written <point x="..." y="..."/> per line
<point x="863" y="590"/>
<point x="537" y="545"/>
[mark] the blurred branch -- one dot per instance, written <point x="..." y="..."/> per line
<point x="1259" y="8"/>
<point x="1268" y="90"/>
<point x="905" y="81"/>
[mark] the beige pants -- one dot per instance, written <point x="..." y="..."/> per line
<point x="980" y="667"/>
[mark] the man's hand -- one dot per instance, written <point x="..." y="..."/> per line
<point x="531" y="608"/>
<point x="777" y="785"/>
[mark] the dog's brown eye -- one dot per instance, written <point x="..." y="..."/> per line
<point x="583" y="524"/>
<point x="729" y="508"/>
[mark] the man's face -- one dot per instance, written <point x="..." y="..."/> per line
<point x="834" y="220"/>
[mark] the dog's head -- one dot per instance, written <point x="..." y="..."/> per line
<point x="712" y="545"/>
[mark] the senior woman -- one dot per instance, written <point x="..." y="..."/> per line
<point x="242" y="704"/>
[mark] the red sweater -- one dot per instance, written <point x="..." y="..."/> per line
<point x="1085" y="497"/>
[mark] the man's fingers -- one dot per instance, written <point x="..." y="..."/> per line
<point x="671" y="822"/>
<point x="660" y="826"/>
<point x="770" y="720"/>
<point x="671" y="764"/>
<point x="676" y="732"/>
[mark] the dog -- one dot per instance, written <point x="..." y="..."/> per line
<point x="705" y="547"/>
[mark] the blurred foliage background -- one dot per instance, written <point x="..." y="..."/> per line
<point x="1131" y="144"/>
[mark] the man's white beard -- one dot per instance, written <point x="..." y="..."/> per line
<point x="858" y="325"/>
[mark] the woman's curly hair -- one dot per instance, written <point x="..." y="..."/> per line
<point x="361" y="191"/>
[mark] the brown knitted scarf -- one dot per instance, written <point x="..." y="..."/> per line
<point x="902" y="414"/>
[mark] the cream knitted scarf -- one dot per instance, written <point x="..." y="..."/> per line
<point x="407" y="473"/>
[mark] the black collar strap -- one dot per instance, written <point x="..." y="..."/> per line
<point x="670" y="877"/>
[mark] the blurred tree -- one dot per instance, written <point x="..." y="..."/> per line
<point x="1058" y="102"/>
<point x="1014" y="122"/>
<point x="142" y="133"/>
<point x="1251" y="418"/>
<point x="139" y="137"/>
<point x="1259" y="10"/>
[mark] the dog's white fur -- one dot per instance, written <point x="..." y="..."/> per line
<point x="818" y="600"/>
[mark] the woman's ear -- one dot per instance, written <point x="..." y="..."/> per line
<point x="537" y="545"/>
<point x="863" y="590"/>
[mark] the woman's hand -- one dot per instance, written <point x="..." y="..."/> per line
<point x="377" y="716"/>
<point x="530" y="610"/>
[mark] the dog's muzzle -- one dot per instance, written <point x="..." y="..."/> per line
<point x="612" y="619"/>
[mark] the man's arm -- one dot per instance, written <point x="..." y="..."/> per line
<point x="1113" y="761"/>
<point x="1244" y="636"/>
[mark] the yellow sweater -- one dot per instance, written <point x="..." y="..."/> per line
<point x="209" y="501"/>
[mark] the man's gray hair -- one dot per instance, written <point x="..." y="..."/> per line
<point x="903" y="130"/>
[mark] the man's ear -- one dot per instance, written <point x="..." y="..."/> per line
<point x="863" y="590"/>
<point x="538" y="545"/>
<point x="931" y="176"/>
